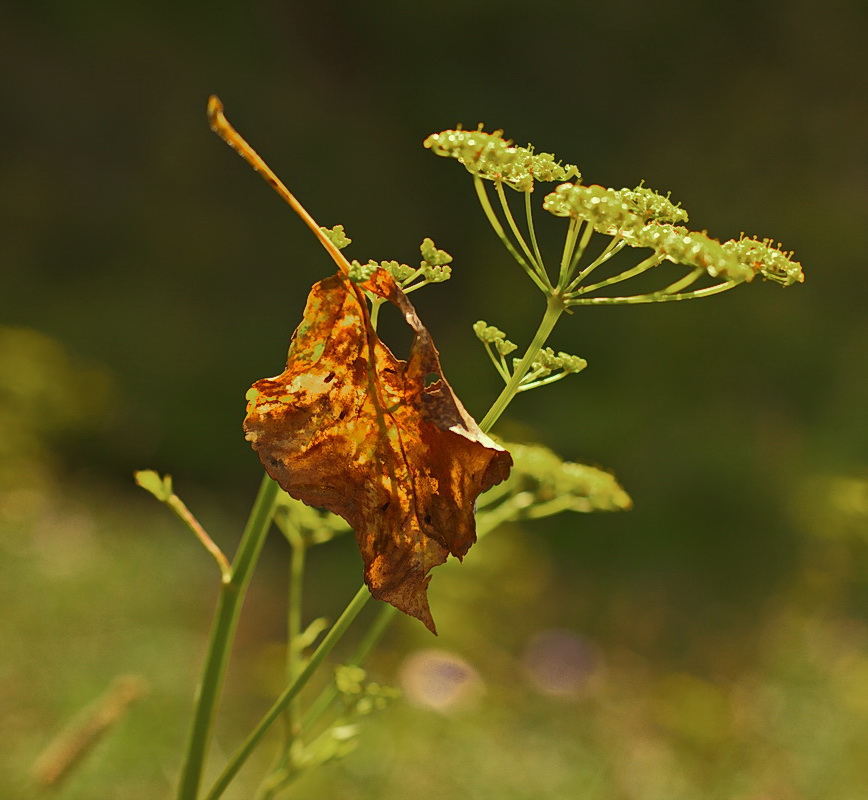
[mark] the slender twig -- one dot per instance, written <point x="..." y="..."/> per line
<point x="221" y="126"/>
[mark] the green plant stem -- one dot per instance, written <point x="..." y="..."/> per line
<point x="179" y="507"/>
<point x="293" y="629"/>
<point x="567" y="255"/>
<point x="499" y="363"/>
<point x="376" y="303"/>
<point x="544" y="381"/>
<point x="681" y="284"/>
<point x="232" y="592"/>
<point x="652" y="261"/>
<point x="386" y="615"/>
<point x="487" y="209"/>
<point x="615" y="246"/>
<point x="587" y="233"/>
<point x="528" y="212"/>
<point x="513" y="226"/>
<point x="555" y="306"/>
<point x="274" y="713"/>
<point x="656" y="297"/>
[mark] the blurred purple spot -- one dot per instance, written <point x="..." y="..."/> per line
<point x="560" y="662"/>
<point x="438" y="679"/>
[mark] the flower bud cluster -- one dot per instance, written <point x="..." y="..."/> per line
<point x="547" y="362"/>
<point x="652" y="206"/>
<point x="548" y="477"/>
<point x="359" y="273"/>
<point x="337" y="236"/>
<point x="432" y="256"/>
<point x="490" y="335"/>
<point x="770" y="262"/>
<point x="489" y="156"/>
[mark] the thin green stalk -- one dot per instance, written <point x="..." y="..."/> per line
<point x="225" y="622"/>
<point x="528" y="212"/>
<point x="652" y="261"/>
<point x="555" y="306"/>
<point x="567" y="255"/>
<point x="499" y="364"/>
<point x="544" y="381"/>
<point x="274" y="713"/>
<point x="482" y="195"/>
<point x="513" y="226"/>
<point x="656" y="297"/>
<point x="689" y="279"/>
<point x="614" y="246"/>
<point x="293" y="626"/>
<point x="376" y="304"/>
<point x="580" y="251"/>
<point x="385" y="617"/>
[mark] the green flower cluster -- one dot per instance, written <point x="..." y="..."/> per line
<point x="644" y="218"/>
<point x="682" y="246"/>
<point x="489" y="156"/>
<point x="337" y="236"/>
<point x="604" y="209"/>
<point x="770" y="262"/>
<point x="651" y="205"/>
<point x="488" y="334"/>
<point x="548" y="481"/>
<point x="547" y="362"/>
<point x="432" y="269"/>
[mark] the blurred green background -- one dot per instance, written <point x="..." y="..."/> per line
<point x="717" y="634"/>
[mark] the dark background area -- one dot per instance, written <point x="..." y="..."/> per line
<point x="134" y="238"/>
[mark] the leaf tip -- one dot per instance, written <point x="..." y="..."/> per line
<point x="150" y="481"/>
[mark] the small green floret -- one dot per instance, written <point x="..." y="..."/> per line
<point x="767" y="261"/>
<point x="359" y="273"/>
<point x="432" y="256"/>
<point x="547" y="360"/>
<point x="488" y="334"/>
<point x="489" y="156"/>
<point x="652" y="206"/>
<point x="400" y="272"/>
<point x="337" y="236"/>
<point x="435" y="274"/>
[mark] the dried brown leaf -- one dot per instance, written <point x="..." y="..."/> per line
<point x="383" y="443"/>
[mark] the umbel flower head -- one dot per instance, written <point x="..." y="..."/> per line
<point x="489" y="156"/>
<point x="637" y="217"/>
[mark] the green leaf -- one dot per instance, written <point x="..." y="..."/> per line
<point x="151" y="482"/>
